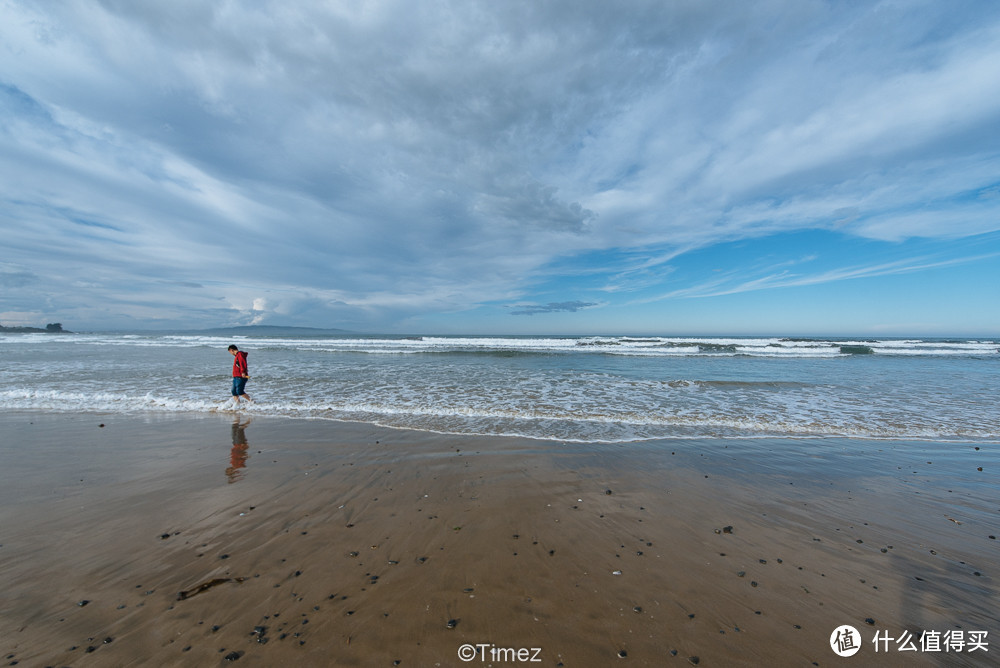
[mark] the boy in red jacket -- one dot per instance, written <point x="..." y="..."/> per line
<point x="240" y="374"/>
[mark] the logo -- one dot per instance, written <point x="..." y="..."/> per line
<point x="845" y="641"/>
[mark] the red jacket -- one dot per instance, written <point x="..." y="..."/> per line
<point x="240" y="364"/>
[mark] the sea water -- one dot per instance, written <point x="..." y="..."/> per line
<point x="602" y="388"/>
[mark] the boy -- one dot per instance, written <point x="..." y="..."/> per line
<point x="240" y="374"/>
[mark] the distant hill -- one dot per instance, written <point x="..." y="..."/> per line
<point x="271" y="330"/>
<point x="51" y="328"/>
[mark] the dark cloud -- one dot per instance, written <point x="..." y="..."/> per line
<point x="551" y="307"/>
<point x="15" y="277"/>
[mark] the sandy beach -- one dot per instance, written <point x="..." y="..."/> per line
<point x="213" y="540"/>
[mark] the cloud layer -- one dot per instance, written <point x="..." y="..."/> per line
<point x="371" y="164"/>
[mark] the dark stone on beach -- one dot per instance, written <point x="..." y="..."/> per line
<point x="693" y="660"/>
<point x="164" y="536"/>
<point x="869" y="621"/>
<point x="452" y="623"/>
<point x="728" y="529"/>
<point x="741" y="574"/>
<point x="622" y="654"/>
<point x="101" y="425"/>
<point x="608" y="492"/>
<point x="637" y="609"/>
<point x="83" y="603"/>
<point x="233" y="656"/>
<point x="108" y="640"/>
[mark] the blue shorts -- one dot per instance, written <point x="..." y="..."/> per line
<point x="238" y="385"/>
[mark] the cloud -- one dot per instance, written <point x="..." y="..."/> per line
<point x="551" y="307"/>
<point x="733" y="283"/>
<point x="14" y="276"/>
<point x="377" y="162"/>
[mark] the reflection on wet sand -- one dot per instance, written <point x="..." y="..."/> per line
<point x="239" y="454"/>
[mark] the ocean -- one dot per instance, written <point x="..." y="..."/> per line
<point x="586" y="389"/>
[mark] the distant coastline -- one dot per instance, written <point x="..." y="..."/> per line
<point x="269" y="330"/>
<point x="51" y="328"/>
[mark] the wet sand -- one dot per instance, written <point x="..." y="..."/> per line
<point x="201" y="541"/>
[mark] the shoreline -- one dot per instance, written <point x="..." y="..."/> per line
<point x="335" y="543"/>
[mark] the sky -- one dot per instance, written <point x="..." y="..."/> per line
<point x="456" y="166"/>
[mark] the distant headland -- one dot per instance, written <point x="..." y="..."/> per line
<point x="51" y="328"/>
<point x="270" y="330"/>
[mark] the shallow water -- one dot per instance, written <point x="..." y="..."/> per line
<point x="566" y="388"/>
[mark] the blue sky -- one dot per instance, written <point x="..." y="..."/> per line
<point x="783" y="166"/>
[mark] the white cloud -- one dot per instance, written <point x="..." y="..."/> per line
<point x="385" y="159"/>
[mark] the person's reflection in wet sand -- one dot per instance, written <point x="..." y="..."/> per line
<point x="239" y="454"/>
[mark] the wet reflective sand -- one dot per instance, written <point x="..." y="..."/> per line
<point x="173" y="541"/>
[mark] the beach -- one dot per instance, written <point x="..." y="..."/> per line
<point x="180" y="540"/>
